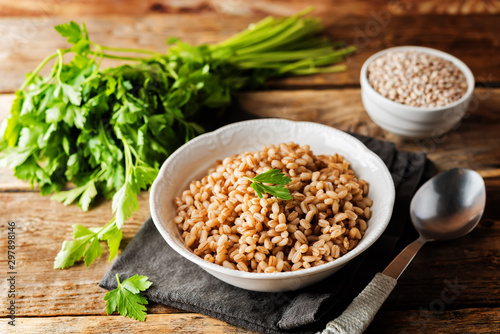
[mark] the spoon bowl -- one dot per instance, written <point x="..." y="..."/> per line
<point x="449" y="205"/>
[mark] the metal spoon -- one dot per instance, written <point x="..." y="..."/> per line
<point x="448" y="206"/>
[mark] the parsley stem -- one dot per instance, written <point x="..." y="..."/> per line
<point x="252" y="29"/>
<point x="128" y="158"/>
<point x="101" y="57"/>
<point x="106" y="228"/>
<point x="102" y="134"/>
<point x="105" y="55"/>
<point x="61" y="62"/>
<point x="130" y="50"/>
<point x="263" y="30"/>
<point x="284" y="55"/>
<point x="311" y="70"/>
<point x="167" y="66"/>
<point x="298" y="29"/>
<point x="85" y="32"/>
<point x="39" y="67"/>
<point x="118" y="280"/>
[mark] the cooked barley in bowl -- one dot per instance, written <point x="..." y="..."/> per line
<point x="224" y="221"/>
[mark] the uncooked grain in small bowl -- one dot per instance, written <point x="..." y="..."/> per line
<point x="224" y="222"/>
<point x="417" y="79"/>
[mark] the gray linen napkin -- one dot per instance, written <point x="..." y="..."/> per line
<point x="181" y="284"/>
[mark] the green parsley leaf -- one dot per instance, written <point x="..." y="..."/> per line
<point x="273" y="176"/>
<point x="10" y="127"/>
<point x="113" y="237"/>
<point x="72" y="93"/>
<point x="124" y="202"/>
<point x="85" y="245"/>
<point x="86" y="193"/>
<point x="71" y="251"/>
<point x="81" y="231"/>
<point x="172" y="40"/>
<point x="70" y="30"/>
<point x="126" y="298"/>
<point x="13" y="157"/>
<point x="93" y="251"/>
<point x="144" y="176"/>
<point x="137" y="283"/>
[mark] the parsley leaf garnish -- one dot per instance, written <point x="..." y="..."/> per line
<point x="273" y="176"/>
<point x="127" y="299"/>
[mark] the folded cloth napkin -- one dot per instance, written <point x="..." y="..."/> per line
<point x="182" y="284"/>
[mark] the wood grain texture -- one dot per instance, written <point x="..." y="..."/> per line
<point x="25" y="42"/>
<point x="157" y="323"/>
<point x="242" y="7"/>
<point x="465" y="321"/>
<point x="454" y="274"/>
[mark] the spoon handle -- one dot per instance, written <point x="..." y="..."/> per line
<point x="399" y="264"/>
<point x="360" y="313"/>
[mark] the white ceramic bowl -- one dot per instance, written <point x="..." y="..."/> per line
<point x="193" y="160"/>
<point x="414" y="122"/>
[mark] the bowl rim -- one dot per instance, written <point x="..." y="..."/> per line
<point x="365" y="84"/>
<point x="184" y="252"/>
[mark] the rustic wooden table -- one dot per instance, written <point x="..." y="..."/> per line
<point x="451" y="287"/>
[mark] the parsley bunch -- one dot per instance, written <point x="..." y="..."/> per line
<point x="108" y="130"/>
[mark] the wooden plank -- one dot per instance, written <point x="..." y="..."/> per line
<point x="449" y="270"/>
<point x="241" y="7"/>
<point x="471" y="320"/>
<point x="26" y="41"/>
<point x="155" y="323"/>
<point x="408" y="321"/>
<point x="42" y="225"/>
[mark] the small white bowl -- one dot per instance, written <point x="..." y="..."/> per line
<point x="408" y="121"/>
<point x="193" y="160"/>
